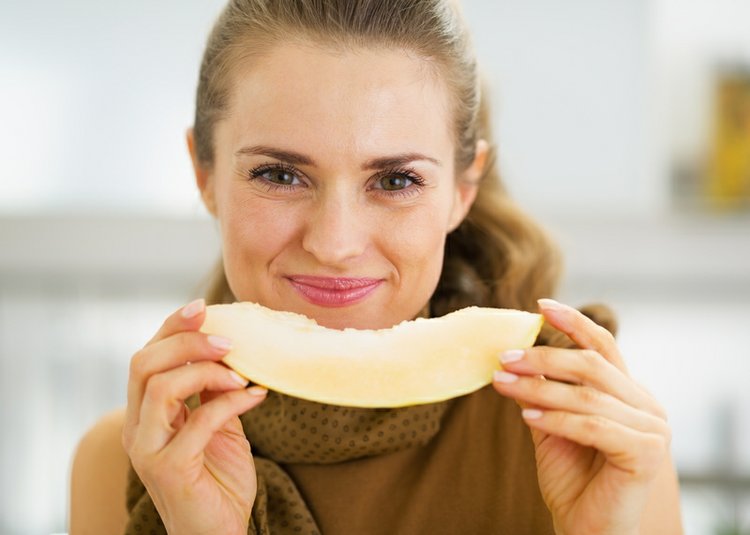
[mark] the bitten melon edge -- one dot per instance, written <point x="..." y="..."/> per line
<point x="418" y="361"/>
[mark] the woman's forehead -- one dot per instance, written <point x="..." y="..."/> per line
<point x="381" y="100"/>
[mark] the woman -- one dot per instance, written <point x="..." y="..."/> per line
<point x="343" y="148"/>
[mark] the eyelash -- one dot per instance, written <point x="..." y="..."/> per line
<point x="400" y="172"/>
<point x="258" y="171"/>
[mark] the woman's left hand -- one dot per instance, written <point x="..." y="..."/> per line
<point x="600" y="438"/>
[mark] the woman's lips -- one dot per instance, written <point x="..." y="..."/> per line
<point x="332" y="292"/>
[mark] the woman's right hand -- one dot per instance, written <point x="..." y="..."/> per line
<point x="197" y="465"/>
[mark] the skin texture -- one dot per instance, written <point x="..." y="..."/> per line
<point x="337" y="220"/>
<point x="600" y="453"/>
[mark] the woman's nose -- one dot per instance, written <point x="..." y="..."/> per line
<point x="336" y="231"/>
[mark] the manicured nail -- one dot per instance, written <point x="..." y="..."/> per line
<point x="238" y="378"/>
<point x="558" y="313"/>
<point x="256" y="390"/>
<point x="219" y="342"/>
<point x="193" y="309"/>
<point x="505" y="377"/>
<point x="512" y="355"/>
<point x="550" y="304"/>
<point x="531" y="414"/>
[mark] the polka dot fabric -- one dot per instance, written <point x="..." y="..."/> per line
<point x="278" y="506"/>
<point x="292" y="430"/>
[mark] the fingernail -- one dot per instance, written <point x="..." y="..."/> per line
<point x="256" y="390"/>
<point x="531" y="414"/>
<point x="512" y="355"/>
<point x="193" y="309"/>
<point x="558" y="312"/>
<point x="505" y="377"/>
<point x="238" y="378"/>
<point x="550" y="304"/>
<point x="219" y="342"/>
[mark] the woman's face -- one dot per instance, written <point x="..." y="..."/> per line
<point x="334" y="184"/>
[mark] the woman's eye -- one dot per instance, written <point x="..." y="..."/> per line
<point x="279" y="176"/>
<point x="394" y="182"/>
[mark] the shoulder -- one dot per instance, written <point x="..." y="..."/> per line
<point x="102" y="440"/>
<point x="99" y="478"/>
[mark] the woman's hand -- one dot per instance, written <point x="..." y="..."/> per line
<point x="196" y="465"/>
<point x="600" y="438"/>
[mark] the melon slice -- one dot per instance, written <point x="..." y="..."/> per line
<point x="418" y="361"/>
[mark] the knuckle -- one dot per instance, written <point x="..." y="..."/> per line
<point x="542" y="355"/>
<point x="586" y="323"/>
<point x="657" y="409"/>
<point x="659" y="412"/>
<point x="603" y="333"/>
<point x="137" y="364"/>
<point x="588" y="396"/>
<point x="662" y="433"/>
<point x="667" y="438"/>
<point x="666" y="435"/>
<point x="591" y="360"/>
<point x="595" y="424"/>
<point x="536" y="388"/>
<point x="562" y="419"/>
<point x="157" y="388"/>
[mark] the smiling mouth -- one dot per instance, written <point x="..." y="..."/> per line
<point x="334" y="292"/>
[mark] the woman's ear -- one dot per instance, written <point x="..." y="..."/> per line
<point x="202" y="175"/>
<point x="467" y="185"/>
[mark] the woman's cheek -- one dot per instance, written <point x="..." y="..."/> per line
<point x="253" y="235"/>
<point x="416" y="242"/>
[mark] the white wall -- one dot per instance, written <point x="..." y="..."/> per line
<point x="571" y="87"/>
<point x="95" y="98"/>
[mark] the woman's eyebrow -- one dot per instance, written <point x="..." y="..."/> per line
<point x="296" y="158"/>
<point x="398" y="160"/>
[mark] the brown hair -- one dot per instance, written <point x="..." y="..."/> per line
<point x="498" y="256"/>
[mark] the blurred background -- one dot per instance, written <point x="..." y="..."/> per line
<point x="623" y="125"/>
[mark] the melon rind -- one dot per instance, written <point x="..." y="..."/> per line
<point x="414" y="362"/>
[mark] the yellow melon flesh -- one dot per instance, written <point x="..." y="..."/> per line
<point x="419" y="361"/>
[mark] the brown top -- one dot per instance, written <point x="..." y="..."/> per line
<point x="477" y="475"/>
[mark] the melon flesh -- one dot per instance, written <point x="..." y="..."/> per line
<point x="418" y="361"/>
